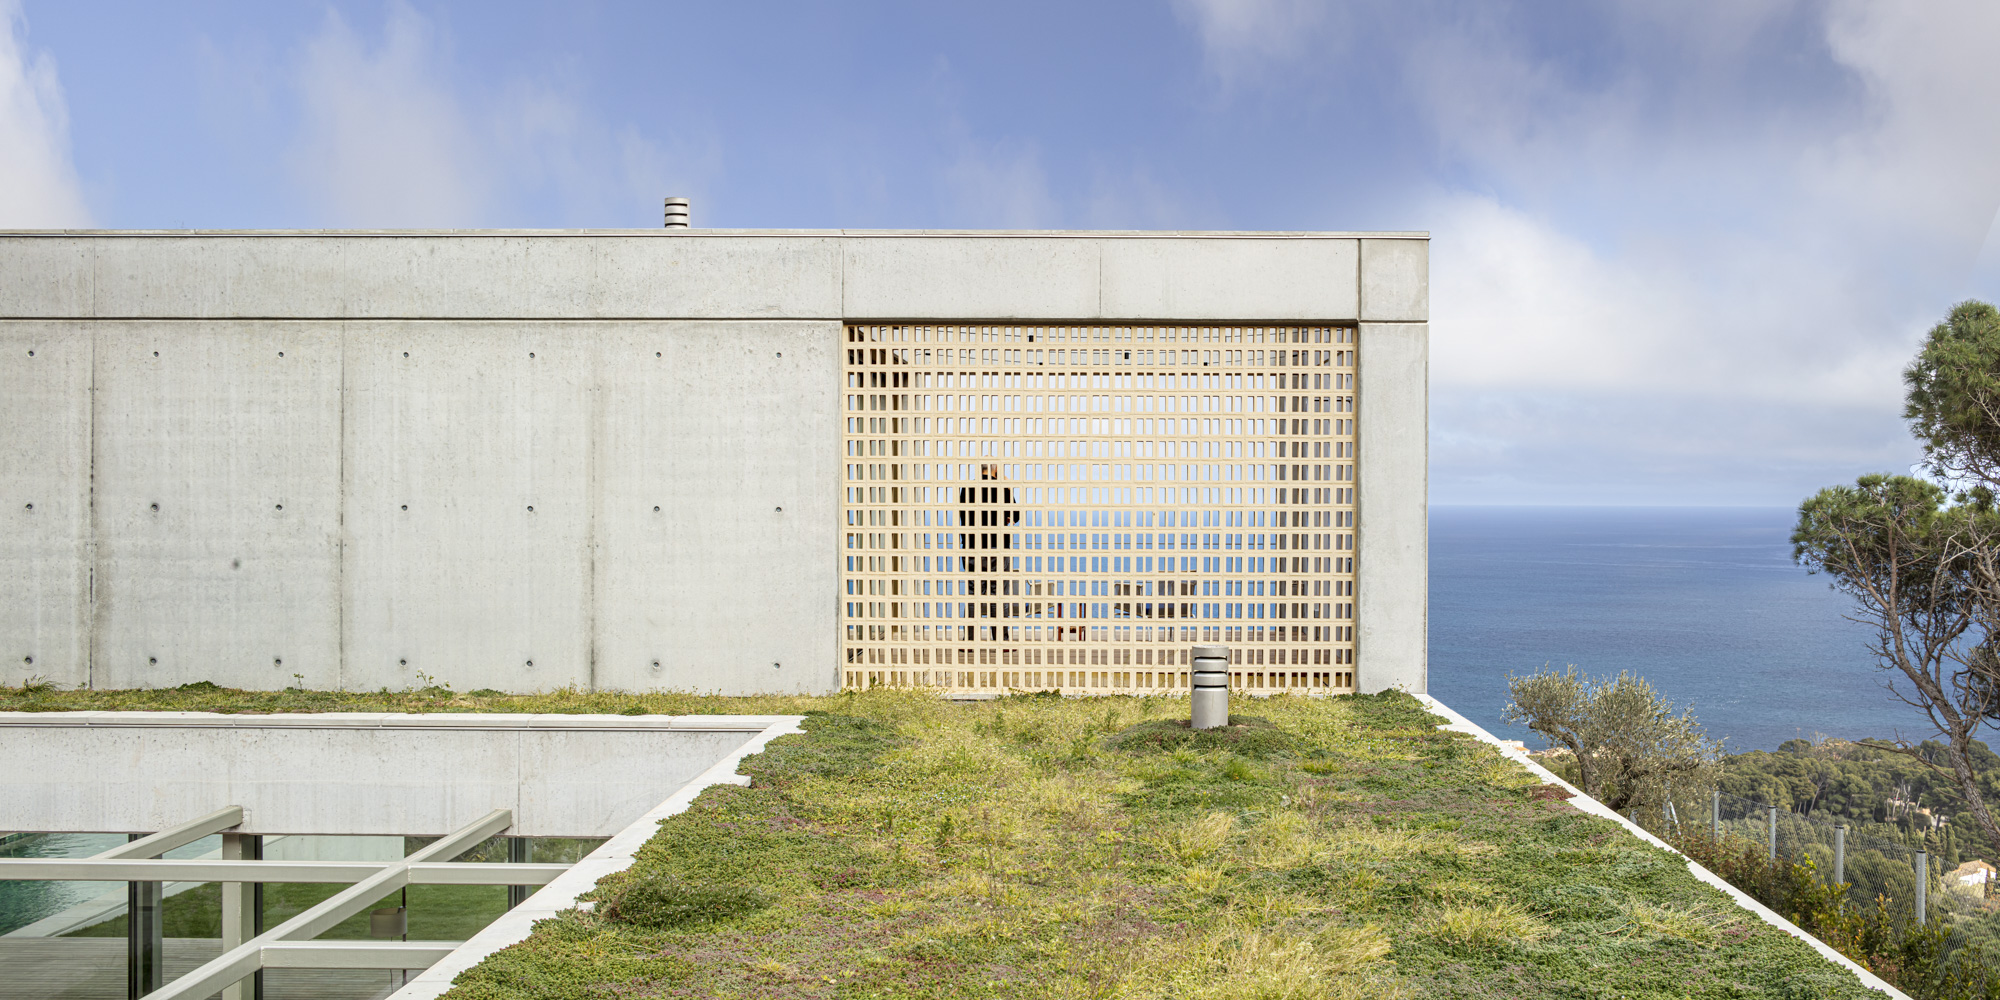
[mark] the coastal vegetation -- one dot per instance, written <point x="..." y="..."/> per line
<point x="1893" y="804"/>
<point x="1625" y="740"/>
<point x="1626" y="746"/>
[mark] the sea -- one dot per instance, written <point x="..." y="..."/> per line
<point x="1705" y="603"/>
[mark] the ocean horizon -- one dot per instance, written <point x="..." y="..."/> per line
<point x="1704" y="602"/>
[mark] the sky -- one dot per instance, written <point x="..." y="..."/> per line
<point x="1681" y="250"/>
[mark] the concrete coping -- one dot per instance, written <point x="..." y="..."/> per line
<point x="614" y="855"/>
<point x="398" y="720"/>
<point x="695" y="232"/>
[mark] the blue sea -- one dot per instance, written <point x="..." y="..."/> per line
<point x="1704" y="602"/>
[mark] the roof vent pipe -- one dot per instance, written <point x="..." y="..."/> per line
<point x="677" y="213"/>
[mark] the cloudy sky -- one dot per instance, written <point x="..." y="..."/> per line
<point x="1681" y="249"/>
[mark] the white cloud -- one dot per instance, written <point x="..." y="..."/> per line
<point x="1242" y="39"/>
<point x="39" y="188"/>
<point x="997" y="185"/>
<point x="385" y="142"/>
<point x="1734" y="219"/>
<point x="390" y="138"/>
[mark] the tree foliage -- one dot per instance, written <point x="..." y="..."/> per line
<point x="1922" y="564"/>
<point x="1952" y="396"/>
<point x="1628" y="744"/>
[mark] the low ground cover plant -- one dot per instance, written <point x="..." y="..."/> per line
<point x="905" y="846"/>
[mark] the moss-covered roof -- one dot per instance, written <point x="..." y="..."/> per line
<point x="1034" y="846"/>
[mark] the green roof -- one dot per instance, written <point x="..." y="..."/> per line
<point x="1038" y="846"/>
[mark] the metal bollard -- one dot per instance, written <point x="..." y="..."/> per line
<point x="1772" y="854"/>
<point x="1840" y="854"/>
<point x="1923" y="883"/>
<point x="1715" y="815"/>
<point x="1211" y="687"/>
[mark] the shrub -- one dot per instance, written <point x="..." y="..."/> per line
<point x="659" y="900"/>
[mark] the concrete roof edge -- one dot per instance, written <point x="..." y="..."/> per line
<point x="1133" y="234"/>
<point x="393" y="720"/>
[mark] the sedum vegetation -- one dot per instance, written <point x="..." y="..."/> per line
<point x="1037" y="846"/>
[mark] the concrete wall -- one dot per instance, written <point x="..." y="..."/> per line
<point x="412" y="775"/>
<point x="262" y="458"/>
<point x="1392" y="601"/>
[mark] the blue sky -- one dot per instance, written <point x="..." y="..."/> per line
<point x="1681" y="250"/>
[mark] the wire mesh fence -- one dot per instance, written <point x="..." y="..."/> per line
<point x="1873" y="859"/>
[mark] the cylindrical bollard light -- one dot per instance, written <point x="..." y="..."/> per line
<point x="1923" y="883"/>
<point x="1715" y="815"/>
<point x="1840" y="854"/>
<point x="1772" y="854"/>
<point x="1211" y="687"/>
<point x="677" y="213"/>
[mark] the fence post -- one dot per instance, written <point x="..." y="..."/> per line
<point x="1923" y="883"/>
<point x="1715" y="814"/>
<point x="1772" y="853"/>
<point x="1840" y="854"/>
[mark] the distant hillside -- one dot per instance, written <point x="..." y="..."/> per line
<point x="1838" y="780"/>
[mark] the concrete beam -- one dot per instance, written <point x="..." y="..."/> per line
<point x="701" y="274"/>
<point x="322" y="872"/>
<point x="1395" y="281"/>
<point x="355" y="954"/>
<point x="166" y="840"/>
<point x="232" y="965"/>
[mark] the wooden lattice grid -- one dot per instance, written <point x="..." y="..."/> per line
<point x="1023" y="504"/>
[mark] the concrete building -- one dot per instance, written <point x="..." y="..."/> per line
<point x="712" y="460"/>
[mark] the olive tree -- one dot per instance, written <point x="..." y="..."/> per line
<point x="1629" y="745"/>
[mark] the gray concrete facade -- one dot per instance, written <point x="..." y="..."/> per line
<point x="263" y="459"/>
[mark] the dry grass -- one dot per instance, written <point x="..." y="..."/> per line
<point x="1490" y="925"/>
